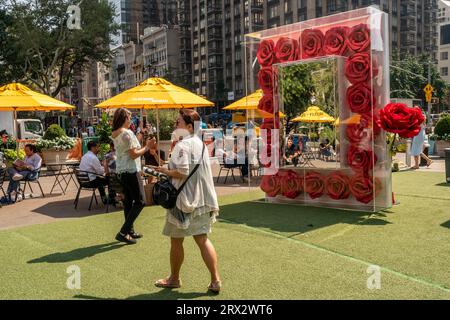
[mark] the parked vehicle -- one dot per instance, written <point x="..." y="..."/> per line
<point x="26" y="128"/>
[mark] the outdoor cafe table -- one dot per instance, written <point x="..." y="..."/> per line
<point x="64" y="173"/>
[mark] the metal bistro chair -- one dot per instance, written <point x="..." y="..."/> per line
<point x="84" y="184"/>
<point x="115" y="185"/>
<point x="2" y="179"/>
<point x="33" y="177"/>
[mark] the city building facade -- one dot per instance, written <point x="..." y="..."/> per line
<point x="161" y="51"/>
<point x="444" y="40"/>
<point x="217" y="30"/>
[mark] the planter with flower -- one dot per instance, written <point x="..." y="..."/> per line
<point x="55" y="146"/>
<point x="11" y="155"/>
<point x="343" y="60"/>
<point x="441" y="136"/>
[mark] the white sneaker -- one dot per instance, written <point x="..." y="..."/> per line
<point x="17" y="177"/>
<point x="19" y="198"/>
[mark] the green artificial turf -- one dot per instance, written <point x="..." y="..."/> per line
<point x="265" y="252"/>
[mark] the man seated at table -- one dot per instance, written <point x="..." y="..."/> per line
<point x="25" y="169"/>
<point x="325" y="149"/>
<point x="292" y="153"/>
<point x="96" y="172"/>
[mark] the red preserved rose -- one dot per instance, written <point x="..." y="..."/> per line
<point x="362" y="131"/>
<point x="270" y="184"/>
<point x="266" y="103"/>
<point x="362" y="187"/>
<point x="311" y="42"/>
<point x="358" y="68"/>
<point x="314" y="184"/>
<point x="372" y="121"/>
<point x="286" y="49"/>
<point x="360" y="99"/>
<point x="289" y="181"/>
<point x="266" y="53"/>
<point x="265" y="80"/>
<point x="337" y="186"/>
<point x="335" y="41"/>
<point x="399" y="118"/>
<point x="359" y="38"/>
<point x="361" y="159"/>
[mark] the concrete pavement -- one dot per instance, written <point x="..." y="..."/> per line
<point x="59" y="206"/>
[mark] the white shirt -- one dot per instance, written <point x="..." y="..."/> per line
<point x="125" y="141"/>
<point x="90" y="163"/>
<point x="199" y="195"/>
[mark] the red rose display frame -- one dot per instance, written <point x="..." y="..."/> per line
<point x="356" y="44"/>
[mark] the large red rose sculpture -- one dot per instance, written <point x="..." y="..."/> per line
<point x="361" y="132"/>
<point x="311" y="43"/>
<point x="400" y="119"/>
<point x="286" y="49"/>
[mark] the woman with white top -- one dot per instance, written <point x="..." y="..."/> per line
<point x="128" y="168"/>
<point x="196" y="207"/>
<point x="417" y="147"/>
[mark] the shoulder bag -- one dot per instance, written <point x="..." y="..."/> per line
<point x="164" y="192"/>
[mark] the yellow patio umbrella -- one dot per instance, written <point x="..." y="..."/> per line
<point x="251" y="103"/>
<point x="314" y="115"/>
<point x="156" y="93"/>
<point x="17" y="97"/>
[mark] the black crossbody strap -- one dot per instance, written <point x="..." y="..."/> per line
<point x="192" y="173"/>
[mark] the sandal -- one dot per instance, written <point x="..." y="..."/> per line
<point x="215" y="286"/>
<point x="166" y="283"/>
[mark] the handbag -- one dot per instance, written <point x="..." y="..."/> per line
<point x="164" y="192"/>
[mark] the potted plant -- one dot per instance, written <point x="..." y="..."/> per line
<point x="167" y="120"/>
<point x="104" y="132"/>
<point x="11" y="155"/>
<point x="55" y="146"/>
<point x="441" y="135"/>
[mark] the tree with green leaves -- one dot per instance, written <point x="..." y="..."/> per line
<point x="38" y="48"/>
<point x="409" y="75"/>
<point x="297" y="88"/>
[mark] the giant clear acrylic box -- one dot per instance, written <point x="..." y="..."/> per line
<point x="323" y="83"/>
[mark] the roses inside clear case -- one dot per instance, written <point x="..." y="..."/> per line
<point x="323" y="83"/>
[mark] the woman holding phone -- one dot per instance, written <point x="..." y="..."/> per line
<point x="128" y="168"/>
